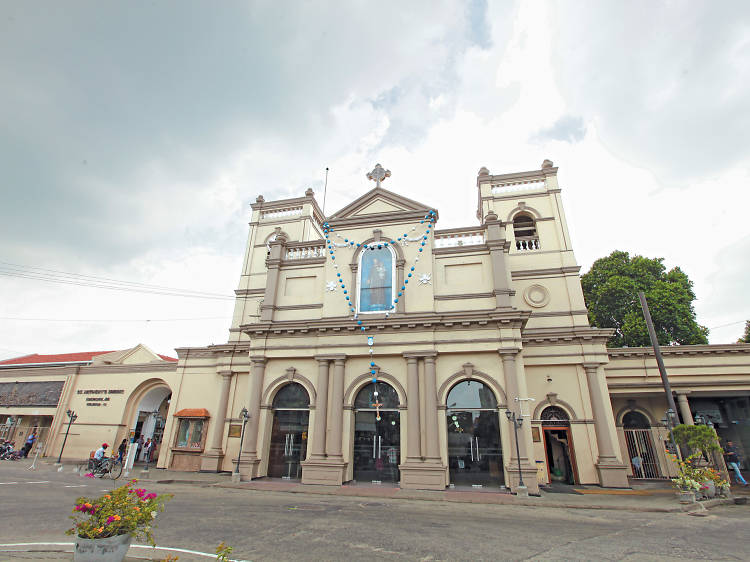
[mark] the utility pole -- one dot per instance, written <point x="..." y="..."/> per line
<point x="657" y="352"/>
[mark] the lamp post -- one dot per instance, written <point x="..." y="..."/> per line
<point x="668" y="421"/>
<point x="245" y="416"/>
<point x="71" y="418"/>
<point x="517" y="421"/>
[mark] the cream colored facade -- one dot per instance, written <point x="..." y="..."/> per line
<point x="497" y="305"/>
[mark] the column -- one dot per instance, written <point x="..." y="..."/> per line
<point x="603" y="438"/>
<point x="430" y="405"/>
<point x="321" y="411"/>
<point x="612" y="472"/>
<point x="413" y="450"/>
<point x="337" y="411"/>
<point x="684" y="406"/>
<point x="257" y="372"/>
<point x="211" y="460"/>
<point x="273" y="264"/>
<point x="499" y="247"/>
<point x="511" y="390"/>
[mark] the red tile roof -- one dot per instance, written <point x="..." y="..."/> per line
<point x="80" y="357"/>
<point x="192" y="413"/>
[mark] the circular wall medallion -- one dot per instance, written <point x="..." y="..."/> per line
<point x="536" y="296"/>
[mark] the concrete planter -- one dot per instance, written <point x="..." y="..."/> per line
<point x="710" y="491"/>
<point x="111" y="549"/>
<point x="686" y="496"/>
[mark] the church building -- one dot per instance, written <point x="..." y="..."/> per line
<point x="372" y="346"/>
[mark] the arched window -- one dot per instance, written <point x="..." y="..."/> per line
<point x="376" y="280"/>
<point x="635" y="420"/>
<point x="524" y="230"/>
<point x="386" y="396"/>
<point x="555" y="416"/>
<point x="293" y="395"/>
<point x="471" y="395"/>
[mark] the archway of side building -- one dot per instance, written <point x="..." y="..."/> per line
<point x="559" y="449"/>
<point x="145" y="416"/>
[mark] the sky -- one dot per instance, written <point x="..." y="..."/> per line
<point x="135" y="135"/>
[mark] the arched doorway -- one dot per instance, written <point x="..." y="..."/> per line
<point x="377" y="434"/>
<point x="291" y="413"/>
<point x="558" y="445"/>
<point x="149" y="421"/>
<point x="475" y="456"/>
<point x="641" y="454"/>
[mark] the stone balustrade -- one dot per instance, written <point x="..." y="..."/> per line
<point x="532" y="185"/>
<point x="303" y="252"/>
<point x="450" y="239"/>
<point x="527" y="243"/>
<point x="281" y="213"/>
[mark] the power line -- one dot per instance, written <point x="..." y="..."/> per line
<point x="76" y="279"/>
<point x="730" y="324"/>
<point x="107" y="320"/>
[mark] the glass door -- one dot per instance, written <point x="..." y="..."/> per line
<point x="377" y="451"/>
<point x="288" y="444"/>
<point x="474" y="454"/>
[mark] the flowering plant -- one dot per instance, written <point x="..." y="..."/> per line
<point x="124" y="510"/>
<point x="692" y="477"/>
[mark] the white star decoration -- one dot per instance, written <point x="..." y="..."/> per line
<point x="425" y="279"/>
<point x="331" y="286"/>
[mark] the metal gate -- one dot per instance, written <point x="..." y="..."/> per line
<point x="641" y="454"/>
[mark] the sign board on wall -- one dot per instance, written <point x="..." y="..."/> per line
<point x="100" y="397"/>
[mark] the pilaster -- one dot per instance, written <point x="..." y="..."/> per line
<point x="249" y="459"/>
<point x="212" y="458"/>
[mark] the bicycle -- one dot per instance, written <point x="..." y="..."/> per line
<point x="111" y="467"/>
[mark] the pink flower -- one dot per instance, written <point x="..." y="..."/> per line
<point x="151" y="496"/>
<point x="110" y="519"/>
<point x="89" y="475"/>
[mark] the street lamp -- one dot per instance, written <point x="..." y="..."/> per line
<point x="71" y="418"/>
<point x="668" y="421"/>
<point x="245" y="416"/>
<point x="517" y="421"/>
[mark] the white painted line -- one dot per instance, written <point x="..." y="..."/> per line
<point x="39" y="482"/>
<point x="185" y="550"/>
<point x="2" y="483"/>
<point x="78" y="486"/>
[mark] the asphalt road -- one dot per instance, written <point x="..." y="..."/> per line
<point x="275" y="525"/>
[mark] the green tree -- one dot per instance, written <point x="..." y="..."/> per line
<point x="611" y="288"/>
<point x="746" y="336"/>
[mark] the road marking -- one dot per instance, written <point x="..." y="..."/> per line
<point x="185" y="550"/>
<point x="39" y="482"/>
<point x="3" y="483"/>
<point x="78" y="486"/>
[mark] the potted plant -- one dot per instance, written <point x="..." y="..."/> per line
<point x="105" y="526"/>
<point x="689" y="479"/>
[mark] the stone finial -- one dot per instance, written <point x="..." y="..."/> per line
<point x="309" y="192"/>
<point x="259" y="199"/>
<point x="491" y="216"/>
<point x="483" y="171"/>
<point x="547" y="164"/>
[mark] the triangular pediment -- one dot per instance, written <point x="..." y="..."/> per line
<point x="380" y="202"/>
<point x="135" y="355"/>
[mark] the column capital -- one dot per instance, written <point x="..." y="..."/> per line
<point x="225" y="373"/>
<point x="419" y="354"/>
<point x="508" y="352"/>
<point x="682" y="392"/>
<point x="331" y="357"/>
<point x="258" y="360"/>
<point x="592" y="366"/>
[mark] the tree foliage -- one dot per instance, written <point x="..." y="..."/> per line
<point x="699" y="438"/>
<point x="611" y="288"/>
<point x="746" y="336"/>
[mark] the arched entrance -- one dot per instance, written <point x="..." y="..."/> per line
<point x="475" y="456"/>
<point x="558" y="445"/>
<point x="641" y="454"/>
<point x="377" y="434"/>
<point x="291" y="414"/>
<point x="148" y="422"/>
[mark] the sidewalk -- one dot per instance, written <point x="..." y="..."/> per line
<point x="647" y="496"/>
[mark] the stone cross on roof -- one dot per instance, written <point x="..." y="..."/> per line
<point x="378" y="174"/>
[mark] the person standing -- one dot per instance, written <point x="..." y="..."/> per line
<point x="733" y="462"/>
<point x="30" y="440"/>
<point x="121" y="450"/>
<point x="147" y="450"/>
<point x="138" y="447"/>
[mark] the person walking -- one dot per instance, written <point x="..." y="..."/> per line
<point x="121" y="450"/>
<point x="138" y="447"/>
<point x="30" y="440"/>
<point x="733" y="462"/>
